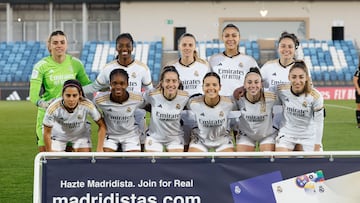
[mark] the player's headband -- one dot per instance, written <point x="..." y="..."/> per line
<point x="73" y="83"/>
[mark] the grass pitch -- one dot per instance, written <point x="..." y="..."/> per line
<point x="18" y="143"/>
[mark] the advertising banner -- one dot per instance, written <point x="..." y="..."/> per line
<point x="337" y="93"/>
<point x="192" y="180"/>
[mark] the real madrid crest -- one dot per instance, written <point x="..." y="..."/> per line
<point x="177" y="106"/>
<point x="241" y="65"/>
<point x="133" y="74"/>
<point x="79" y="116"/>
<point x="196" y="73"/>
<point x="221" y="114"/>
<point x="304" y="104"/>
<point x="128" y="109"/>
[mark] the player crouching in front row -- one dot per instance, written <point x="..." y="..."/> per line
<point x="66" y="121"/>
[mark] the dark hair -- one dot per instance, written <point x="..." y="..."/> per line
<point x="56" y="32"/>
<point x="302" y="65"/>
<point x="262" y="94"/>
<point x="170" y="69"/>
<point x="125" y="35"/>
<point x="73" y="83"/>
<point x="236" y="28"/>
<point x="119" y="71"/>
<point x="212" y="74"/>
<point x="231" y="26"/>
<point x="291" y="36"/>
<point x="254" y="70"/>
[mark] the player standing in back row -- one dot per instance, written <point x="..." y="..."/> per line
<point x="139" y="75"/>
<point x="231" y="66"/>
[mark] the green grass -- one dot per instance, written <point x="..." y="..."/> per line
<point x="18" y="147"/>
<point x="340" y="132"/>
<point x="18" y="150"/>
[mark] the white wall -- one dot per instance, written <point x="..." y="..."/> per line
<point x="147" y="21"/>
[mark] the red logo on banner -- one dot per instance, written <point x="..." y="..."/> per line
<point x="337" y="93"/>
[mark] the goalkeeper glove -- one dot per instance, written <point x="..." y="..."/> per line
<point x="44" y="104"/>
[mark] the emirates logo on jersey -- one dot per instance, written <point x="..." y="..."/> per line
<point x="133" y="74"/>
<point x="241" y="65"/>
<point x="221" y="114"/>
<point x="128" y="109"/>
<point x="177" y="106"/>
<point x="196" y="73"/>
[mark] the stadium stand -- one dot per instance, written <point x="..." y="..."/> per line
<point x="330" y="62"/>
<point x="18" y="58"/>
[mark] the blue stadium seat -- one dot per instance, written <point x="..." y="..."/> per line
<point x="348" y="76"/>
<point x="2" y="78"/>
<point x="326" y="76"/>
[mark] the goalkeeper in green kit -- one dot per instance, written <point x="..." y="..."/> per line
<point x="49" y="75"/>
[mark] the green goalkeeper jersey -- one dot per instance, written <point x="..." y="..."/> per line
<point x="49" y="76"/>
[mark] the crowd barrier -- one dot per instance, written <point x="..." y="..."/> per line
<point x="197" y="177"/>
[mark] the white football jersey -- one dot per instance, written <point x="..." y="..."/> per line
<point x="139" y="75"/>
<point x="212" y="121"/>
<point x="165" y="114"/>
<point x="231" y="70"/>
<point x="303" y="114"/>
<point x="70" y="126"/>
<point x="274" y="74"/>
<point x="192" y="76"/>
<point x="256" y="118"/>
<point x="119" y="118"/>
